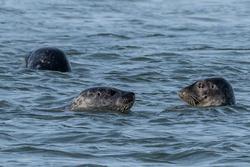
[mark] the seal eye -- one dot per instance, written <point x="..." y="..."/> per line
<point x="98" y="93"/>
<point x="213" y="86"/>
<point x="205" y="97"/>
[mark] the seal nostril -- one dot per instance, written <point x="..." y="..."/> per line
<point x="130" y="96"/>
<point x="182" y="93"/>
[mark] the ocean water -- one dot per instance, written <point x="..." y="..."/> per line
<point x="151" y="47"/>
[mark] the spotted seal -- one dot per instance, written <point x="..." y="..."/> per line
<point x="48" y="58"/>
<point x="103" y="99"/>
<point x="208" y="92"/>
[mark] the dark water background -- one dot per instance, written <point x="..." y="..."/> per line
<point x="151" y="47"/>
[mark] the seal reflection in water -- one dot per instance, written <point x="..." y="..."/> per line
<point x="103" y="99"/>
<point x="48" y="58"/>
<point x="208" y="92"/>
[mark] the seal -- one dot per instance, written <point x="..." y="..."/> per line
<point x="208" y="92"/>
<point x="48" y="58"/>
<point x="103" y="99"/>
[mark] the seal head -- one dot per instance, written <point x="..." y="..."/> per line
<point x="208" y="92"/>
<point x="103" y="99"/>
<point x="48" y="58"/>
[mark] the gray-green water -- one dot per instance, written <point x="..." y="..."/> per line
<point x="151" y="47"/>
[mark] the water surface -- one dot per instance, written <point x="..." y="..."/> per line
<point x="151" y="47"/>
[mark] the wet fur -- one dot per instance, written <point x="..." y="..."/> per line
<point x="48" y="58"/>
<point x="103" y="99"/>
<point x="208" y="92"/>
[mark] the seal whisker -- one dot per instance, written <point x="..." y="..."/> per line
<point x="195" y="99"/>
<point x="191" y="102"/>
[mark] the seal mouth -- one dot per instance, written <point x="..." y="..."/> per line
<point x="126" y="107"/>
<point x="194" y="100"/>
<point x="189" y="98"/>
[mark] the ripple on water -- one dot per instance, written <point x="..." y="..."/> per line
<point x="104" y="56"/>
<point x="153" y="48"/>
<point x="109" y="35"/>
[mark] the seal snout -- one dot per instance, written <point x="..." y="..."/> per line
<point x="182" y="93"/>
<point x="129" y="97"/>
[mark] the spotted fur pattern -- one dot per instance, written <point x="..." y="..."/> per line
<point x="208" y="92"/>
<point x="103" y="99"/>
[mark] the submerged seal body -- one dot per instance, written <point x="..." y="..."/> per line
<point x="208" y="92"/>
<point x="103" y="99"/>
<point x="48" y="58"/>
